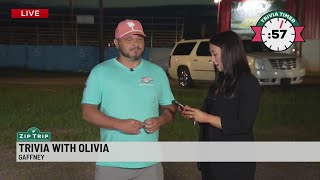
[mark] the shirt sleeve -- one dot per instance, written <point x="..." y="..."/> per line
<point x="241" y="119"/>
<point x="166" y="96"/>
<point x="92" y="92"/>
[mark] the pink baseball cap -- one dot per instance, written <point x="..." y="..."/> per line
<point x="128" y="27"/>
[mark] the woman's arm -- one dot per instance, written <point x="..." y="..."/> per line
<point x="233" y="121"/>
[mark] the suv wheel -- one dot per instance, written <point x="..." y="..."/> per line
<point x="184" y="77"/>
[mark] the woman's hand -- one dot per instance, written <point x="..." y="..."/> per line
<point x="195" y="114"/>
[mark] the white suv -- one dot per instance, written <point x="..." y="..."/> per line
<point x="191" y="60"/>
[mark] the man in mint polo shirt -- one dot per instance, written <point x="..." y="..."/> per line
<point x="122" y="96"/>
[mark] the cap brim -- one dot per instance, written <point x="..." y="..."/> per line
<point x="133" y="33"/>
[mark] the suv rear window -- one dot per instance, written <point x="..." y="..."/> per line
<point x="184" y="48"/>
<point x="203" y="49"/>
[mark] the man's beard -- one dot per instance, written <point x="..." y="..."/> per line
<point x="127" y="55"/>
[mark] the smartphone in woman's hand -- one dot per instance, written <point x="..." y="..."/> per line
<point x="177" y="103"/>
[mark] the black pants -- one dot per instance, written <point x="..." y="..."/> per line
<point x="228" y="171"/>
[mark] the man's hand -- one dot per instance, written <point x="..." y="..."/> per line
<point x="130" y="126"/>
<point x="152" y="124"/>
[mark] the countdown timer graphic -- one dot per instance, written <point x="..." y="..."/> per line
<point x="278" y="30"/>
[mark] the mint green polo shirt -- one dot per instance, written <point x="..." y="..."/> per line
<point x="126" y="94"/>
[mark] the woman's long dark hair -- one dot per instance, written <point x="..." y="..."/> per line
<point x="234" y="61"/>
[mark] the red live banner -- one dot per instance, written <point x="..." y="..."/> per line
<point x="29" y="13"/>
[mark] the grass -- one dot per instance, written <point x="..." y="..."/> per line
<point x="295" y="108"/>
<point x="283" y="115"/>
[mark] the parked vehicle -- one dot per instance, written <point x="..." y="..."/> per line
<point x="191" y="60"/>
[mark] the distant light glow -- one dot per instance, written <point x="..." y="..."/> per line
<point x="217" y="1"/>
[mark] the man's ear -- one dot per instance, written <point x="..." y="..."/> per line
<point x="116" y="43"/>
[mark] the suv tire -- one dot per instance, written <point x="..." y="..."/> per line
<point x="184" y="77"/>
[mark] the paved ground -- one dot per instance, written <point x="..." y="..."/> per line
<point x="9" y="169"/>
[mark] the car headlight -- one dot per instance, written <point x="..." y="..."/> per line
<point x="251" y="62"/>
<point x="259" y="64"/>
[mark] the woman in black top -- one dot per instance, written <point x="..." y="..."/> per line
<point x="230" y="108"/>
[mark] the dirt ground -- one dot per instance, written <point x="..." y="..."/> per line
<point x="10" y="169"/>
